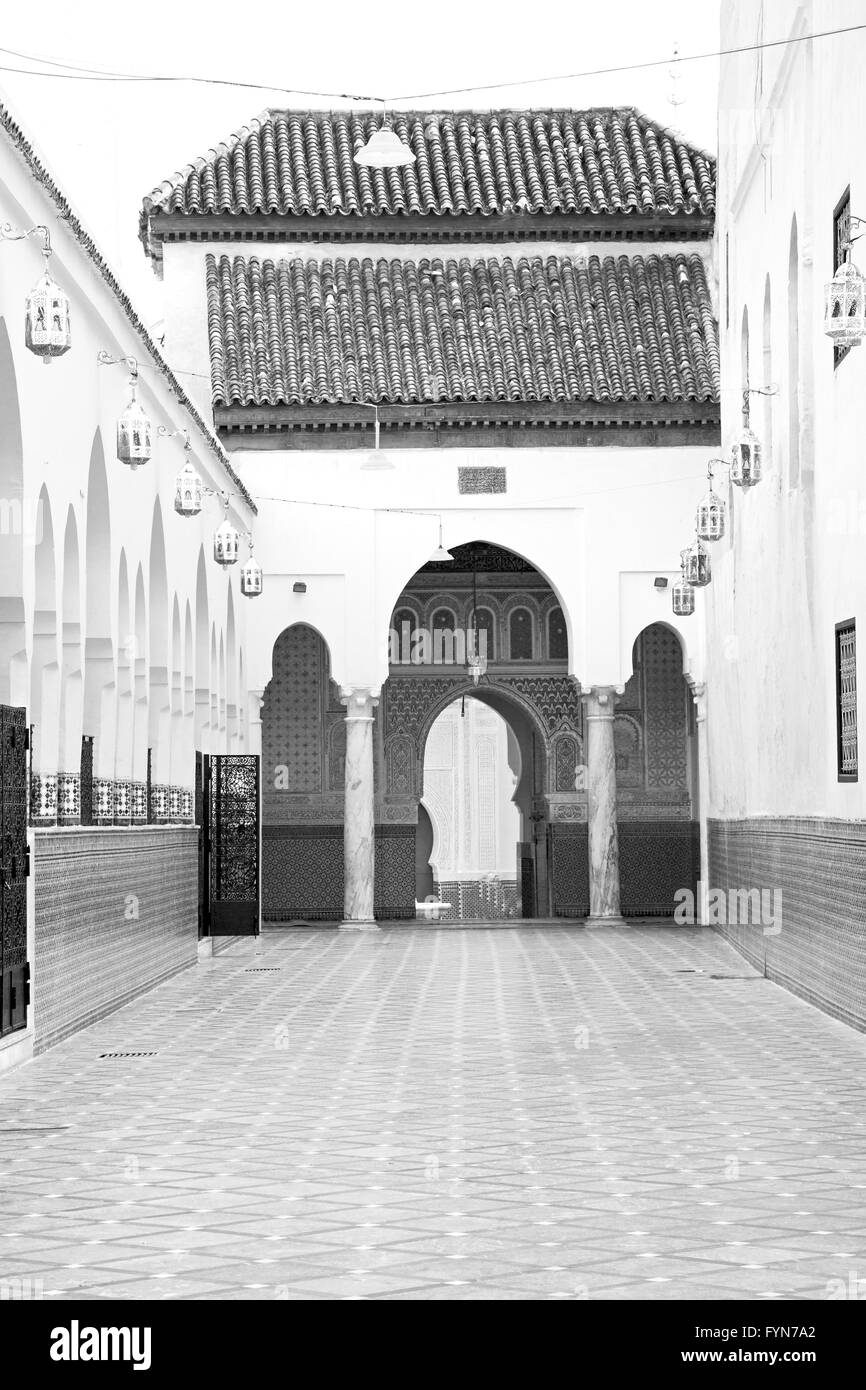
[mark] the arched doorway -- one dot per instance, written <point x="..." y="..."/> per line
<point x="303" y="760"/>
<point x="471" y="773"/>
<point x="492" y="600"/>
<point x="15" y="525"/>
<point x="655" y="740"/>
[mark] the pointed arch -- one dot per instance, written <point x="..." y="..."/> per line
<point x="125" y="676"/>
<point x="202" y="657"/>
<point x="767" y="364"/>
<point x="99" y="713"/>
<point x="140" y="736"/>
<point x="44" y="699"/>
<point x="72" y="681"/>
<point x="793" y="357"/>
<point x="159" y="694"/>
<point x="15" y="526"/>
<point x="231" y="672"/>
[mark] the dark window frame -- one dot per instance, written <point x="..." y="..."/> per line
<point x="849" y="625"/>
<point x="521" y="608"/>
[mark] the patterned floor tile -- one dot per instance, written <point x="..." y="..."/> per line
<point x="423" y="1114"/>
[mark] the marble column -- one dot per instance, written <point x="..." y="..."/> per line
<point x="358" y="835"/>
<point x="604" y="903"/>
<point x="699" y="695"/>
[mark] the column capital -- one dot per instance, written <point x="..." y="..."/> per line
<point x="599" y="700"/>
<point x="699" y="695"/>
<point x="360" y="701"/>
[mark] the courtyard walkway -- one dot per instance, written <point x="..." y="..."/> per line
<point x="436" y="1114"/>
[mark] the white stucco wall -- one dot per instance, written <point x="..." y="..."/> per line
<point x="791" y="126"/>
<point x="67" y="413"/>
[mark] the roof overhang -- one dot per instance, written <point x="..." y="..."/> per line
<point x="439" y="229"/>
<point x="471" y="424"/>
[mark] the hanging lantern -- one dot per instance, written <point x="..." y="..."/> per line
<point x="134" y="430"/>
<point x="46" y="308"/>
<point x="683" y="593"/>
<point x="746" y="452"/>
<point x="440" y="555"/>
<point x="476" y="665"/>
<point x="384" y="150"/>
<point x="226" y="541"/>
<point x="696" y="565"/>
<point x="746" y="459"/>
<point x="46" y="324"/>
<point x="683" y="599"/>
<point x="711" y="515"/>
<point x="188" y="491"/>
<point x="375" y="461"/>
<point x="845" y="305"/>
<point x="252" y="577"/>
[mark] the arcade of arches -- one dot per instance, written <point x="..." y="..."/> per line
<point x="638" y="773"/>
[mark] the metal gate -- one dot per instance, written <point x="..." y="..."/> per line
<point x="14" y="868"/>
<point x="230" y="888"/>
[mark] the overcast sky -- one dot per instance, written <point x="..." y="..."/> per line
<point x="109" y="143"/>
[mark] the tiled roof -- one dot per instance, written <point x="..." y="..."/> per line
<point x="41" y="175"/>
<point x="560" y="328"/>
<point x="601" y="161"/>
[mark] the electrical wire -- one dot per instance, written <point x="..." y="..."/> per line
<point x="538" y="504"/>
<point x="73" y="73"/>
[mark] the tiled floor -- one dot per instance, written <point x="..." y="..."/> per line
<point x="514" y="1113"/>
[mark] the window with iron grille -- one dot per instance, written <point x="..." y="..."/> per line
<point x="846" y="700"/>
<point x="841" y="236"/>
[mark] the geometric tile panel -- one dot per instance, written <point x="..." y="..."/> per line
<point x="664" y="698"/>
<point x="293" y="716"/>
<point x="395" y="873"/>
<point x="302" y="873"/>
<point x="116" y="911"/>
<point x="570" y="870"/>
<point x="656" y="858"/>
<point x="811" y="935"/>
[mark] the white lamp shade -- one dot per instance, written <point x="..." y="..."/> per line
<point x="384" y="150"/>
<point x="376" y="462"/>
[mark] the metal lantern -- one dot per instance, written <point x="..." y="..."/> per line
<point x="845" y="305"/>
<point x="711" y="514"/>
<point x="696" y="565"/>
<point x="746" y="458"/>
<point x="252" y="577"/>
<point x="683" y="599"/>
<point x="188" y="491"/>
<point x="46" y="325"/>
<point x="134" y="430"/>
<point x="225" y="543"/>
<point x="746" y="452"/>
<point x="476" y="665"/>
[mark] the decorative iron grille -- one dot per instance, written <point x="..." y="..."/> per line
<point x="14" y="969"/>
<point x="846" y="700"/>
<point x="234" y="828"/>
<point x="87" y="779"/>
